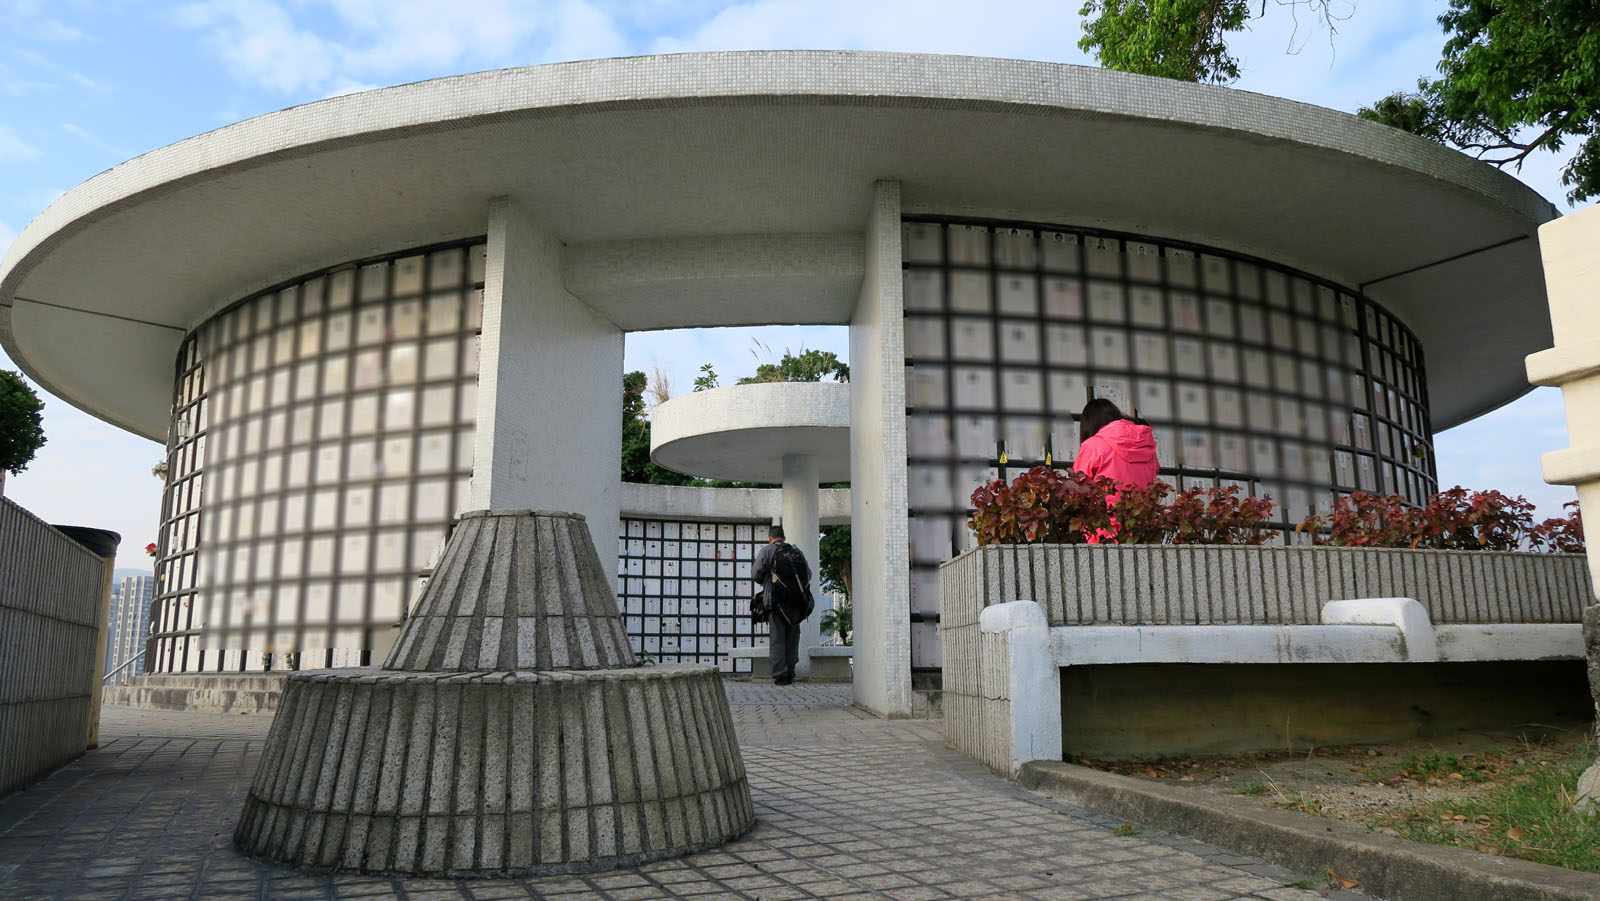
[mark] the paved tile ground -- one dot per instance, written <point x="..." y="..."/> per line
<point x="847" y="806"/>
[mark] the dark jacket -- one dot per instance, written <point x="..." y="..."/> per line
<point x="762" y="574"/>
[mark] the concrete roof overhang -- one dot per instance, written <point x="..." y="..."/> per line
<point x="731" y="188"/>
<point x="742" y="432"/>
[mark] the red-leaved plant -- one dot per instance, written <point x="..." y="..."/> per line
<point x="1367" y="520"/>
<point x="1561" y="534"/>
<point x="1041" y="505"/>
<point x="1046" y="505"/>
<point x="1456" y="519"/>
<point x="1141" y="514"/>
<point x="1217" y="516"/>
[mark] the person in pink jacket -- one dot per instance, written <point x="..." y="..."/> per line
<point x="1117" y="447"/>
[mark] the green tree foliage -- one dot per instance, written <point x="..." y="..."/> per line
<point x="636" y="465"/>
<point x="707" y="379"/>
<point x="806" y="366"/>
<point x="21" y="425"/>
<point x="1517" y="76"/>
<point x="833" y="563"/>
<point x="1182" y="39"/>
<point x="839" y="621"/>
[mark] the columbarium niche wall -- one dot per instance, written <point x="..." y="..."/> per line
<point x="685" y="587"/>
<point x="1251" y="374"/>
<point x="321" y="444"/>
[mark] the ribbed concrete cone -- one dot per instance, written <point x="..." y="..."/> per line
<point x="515" y="590"/>
<point x="510" y="732"/>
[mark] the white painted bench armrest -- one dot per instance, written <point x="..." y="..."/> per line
<point x="1405" y="614"/>
<point x="1030" y="687"/>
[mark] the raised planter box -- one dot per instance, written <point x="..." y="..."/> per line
<point x="1163" y="605"/>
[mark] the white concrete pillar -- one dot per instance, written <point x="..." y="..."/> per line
<point x="800" y="527"/>
<point x="878" y="546"/>
<point x="549" y="385"/>
<point x="1570" y="247"/>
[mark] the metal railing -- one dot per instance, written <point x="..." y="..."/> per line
<point x="125" y="664"/>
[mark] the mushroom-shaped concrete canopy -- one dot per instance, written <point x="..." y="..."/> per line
<point x="743" y="432"/>
<point x="745" y="192"/>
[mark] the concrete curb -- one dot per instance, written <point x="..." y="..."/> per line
<point x="1386" y="866"/>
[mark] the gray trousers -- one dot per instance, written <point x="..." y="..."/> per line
<point x="783" y="647"/>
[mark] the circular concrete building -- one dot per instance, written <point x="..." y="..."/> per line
<point x="354" y="319"/>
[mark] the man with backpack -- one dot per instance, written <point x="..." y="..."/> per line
<point x="785" y="580"/>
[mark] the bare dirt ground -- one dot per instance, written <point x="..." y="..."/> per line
<point x="1387" y="785"/>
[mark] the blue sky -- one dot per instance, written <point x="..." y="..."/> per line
<point x="86" y="84"/>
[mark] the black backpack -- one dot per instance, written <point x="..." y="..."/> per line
<point x="789" y="593"/>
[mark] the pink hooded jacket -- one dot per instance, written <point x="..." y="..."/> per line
<point x="1122" y="451"/>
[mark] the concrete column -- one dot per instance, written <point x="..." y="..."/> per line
<point x="800" y="525"/>
<point x="882" y="581"/>
<point x="1570" y="247"/>
<point x="549" y="385"/>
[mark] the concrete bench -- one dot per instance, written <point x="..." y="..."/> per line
<point x="828" y="663"/>
<point x="1024" y="689"/>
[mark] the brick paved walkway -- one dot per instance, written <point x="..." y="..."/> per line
<point x="848" y="807"/>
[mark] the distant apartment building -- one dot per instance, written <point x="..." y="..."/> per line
<point x="129" y="626"/>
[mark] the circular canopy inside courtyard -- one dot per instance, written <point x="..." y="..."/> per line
<point x="742" y="432"/>
<point x="645" y="167"/>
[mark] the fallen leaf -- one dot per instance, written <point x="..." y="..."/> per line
<point x="1459" y="818"/>
<point x="1152" y="774"/>
<point x="1344" y="882"/>
<point x="1457" y="777"/>
<point x="1185" y="778"/>
<point x="1514" y="834"/>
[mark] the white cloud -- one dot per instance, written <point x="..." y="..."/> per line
<point x="14" y="148"/>
<point x="339" y="88"/>
<point x="25" y="18"/>
<point x="324" y="46"/>
<point x="1031" y="30"/>
<point x="300" y="48"/>
<point x="392" y="35"/>
<point x="95" y="141"/>
<point x="259" y="42"/>
<point x="583" y="31"/>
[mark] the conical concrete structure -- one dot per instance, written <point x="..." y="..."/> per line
<point x="515" y="592"/>
<point x="510" y="731"/>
